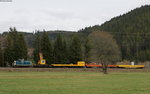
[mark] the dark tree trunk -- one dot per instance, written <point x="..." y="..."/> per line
<point x="105" y="68"/>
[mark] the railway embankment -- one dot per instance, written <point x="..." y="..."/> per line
<point x="70" y="70"/>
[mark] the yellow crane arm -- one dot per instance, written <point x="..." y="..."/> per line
<point x="41" y="56"/>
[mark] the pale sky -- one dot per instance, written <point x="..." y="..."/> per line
<point x="28" y="15"/>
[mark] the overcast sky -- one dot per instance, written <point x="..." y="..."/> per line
<point x="28" y="15"/>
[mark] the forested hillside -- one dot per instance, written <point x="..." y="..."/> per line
<point x="137" y="20"/>
<point x="132" y="32"/>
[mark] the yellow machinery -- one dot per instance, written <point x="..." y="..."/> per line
<point x="79" y="64"/>
<point x="41" y="61"/>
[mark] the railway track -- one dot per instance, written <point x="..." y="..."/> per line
<point x="70" y="70"/>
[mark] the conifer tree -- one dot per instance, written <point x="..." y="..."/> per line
<point x="22" y="47"/>
<point x="1" y="56"/>
<point x="15" y="47"/>
<point x="46" y="48"/>
<point x="15" y="44"/>
<point x="75" y="50"/>
<point x="60" y="50"/>
<point x="11" y="49"/>
<point x="87" y="50"/>
<point x="8" y="52"/>
<point x="65" y="52"/>
<point x="37" y="47"/>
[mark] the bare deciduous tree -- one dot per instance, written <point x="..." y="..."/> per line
<point x="104" y="49"/>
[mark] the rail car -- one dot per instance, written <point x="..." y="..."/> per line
<point x="99" y="66"/>
<point x="131" y="66"/>
<point x="80" y="64"/>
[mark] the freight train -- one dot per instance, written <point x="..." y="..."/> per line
<point x="79" y="64"/>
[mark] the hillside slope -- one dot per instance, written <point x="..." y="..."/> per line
<point x="137" y="20"/>
<point x="131" y="31"/>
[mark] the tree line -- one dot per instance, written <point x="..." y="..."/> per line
<point x="54" y="51"/>
<point x="58" y="51"/>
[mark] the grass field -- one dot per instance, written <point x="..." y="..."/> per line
<point x="74" y="83"/>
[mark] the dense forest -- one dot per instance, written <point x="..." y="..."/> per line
<point x="129" y="35"/>
<point x="131" y="31"/>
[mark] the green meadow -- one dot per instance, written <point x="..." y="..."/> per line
<point x="74" y="83"/>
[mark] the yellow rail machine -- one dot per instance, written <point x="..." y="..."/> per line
<point x="41" y="61"/>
